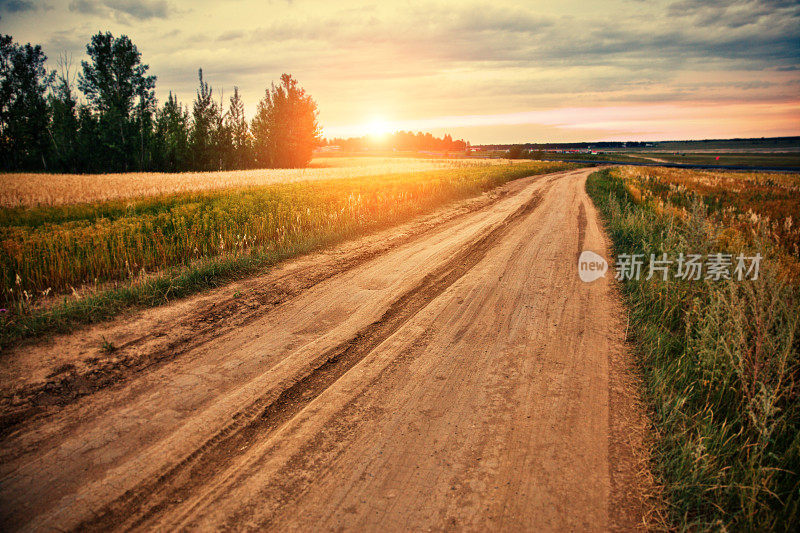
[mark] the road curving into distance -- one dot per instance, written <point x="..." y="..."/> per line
<point x="451" y="373"/>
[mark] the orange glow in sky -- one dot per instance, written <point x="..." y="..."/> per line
<point x="500" y="71"/>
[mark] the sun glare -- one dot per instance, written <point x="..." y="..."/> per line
<point x="377" y="128"/>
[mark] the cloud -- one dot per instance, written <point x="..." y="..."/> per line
<point x="231" y="36"/>
<point x="441" y="57"/>
<point x="763" y="37"/>
<point x="734" y="13"/>
<point x="141" y="9"/>
<point x="16" y="6"/>
<point x="122" y="9"/>
<point x="86" y="7"/>
<point x="410" y="62"/>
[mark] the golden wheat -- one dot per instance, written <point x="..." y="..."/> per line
<point x="63" y="246"/>
<point x="20" y="189"/>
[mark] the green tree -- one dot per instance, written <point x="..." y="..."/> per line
<point x="87" y="145"/>
<point x="64" y="124"/>
<point x="222" y="139"/>
<point x="143" y="117"/>
<point x="205" y="122"/>
<point x="241" y="140"/>
<point x="172" y="136"/>
<point x="517" y="151"/>
<point x="24" y="113"/>
<point x="285" y="128"/>
<point x="119" y="91"/>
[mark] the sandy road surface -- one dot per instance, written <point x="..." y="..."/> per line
<point x="459" y="377"/>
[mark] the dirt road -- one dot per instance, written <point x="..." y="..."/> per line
<point x="453" y="373"/>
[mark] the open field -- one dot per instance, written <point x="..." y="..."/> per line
<point x="391" y="267"/>
<point x="720" y="358"/>
<point x="451" y="372"/>
<point x="154" y="248"/>
<point x="756" y="161"/>
<point x="600" y="158"/>
<point x="438" y="363"/>
<point x="26" y="190"/>
<point x="746" y="159"/>
<point x="745" y="201"/>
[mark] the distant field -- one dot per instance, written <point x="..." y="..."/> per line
<point x="748" y="159"/>
<point x="749" y="145"/>
<point x="742" y="159"/>
<point x="149" y="249"/>
<point x="620" y="157"/>
<point x="20" y="189"/>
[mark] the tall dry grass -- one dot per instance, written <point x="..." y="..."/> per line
<point x="739" y="200"/>
<point x="721" y="363"/>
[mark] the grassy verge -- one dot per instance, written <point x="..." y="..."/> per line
<point x="721" y="366"/>
<point x="185" y="243"/>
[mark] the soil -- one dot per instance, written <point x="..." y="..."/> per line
<point x="449" y="373"/>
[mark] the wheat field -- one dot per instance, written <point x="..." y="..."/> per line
<point x="72" y="263"/>
<point x="61" y="246"/>
<point x="25" y="189"/>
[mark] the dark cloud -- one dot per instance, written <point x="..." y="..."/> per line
<point x="518" y="37"/>
<point x="231" y="36"/>
<point x="141" y="9"/>
<point x="734" y="13"/>
<point x="16" y="6"/>
<point x="124" y="9"/>
<point x="86" y="7"/>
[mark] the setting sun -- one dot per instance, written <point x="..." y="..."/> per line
<point x="377" y="128"/>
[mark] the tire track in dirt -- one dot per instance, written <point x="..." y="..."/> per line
<point x="458" y="381"/>
<point x="581" y="230"/>
<point x="487" y="410"/>
<point x="261" y="419"/>
<point x="68" y="383"/>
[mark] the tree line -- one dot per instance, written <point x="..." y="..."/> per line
<point x="402" y="141"/>
<point x="118" y="125"/>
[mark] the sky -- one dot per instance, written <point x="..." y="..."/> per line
<point x="486" y="71"/>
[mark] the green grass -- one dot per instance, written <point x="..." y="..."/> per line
<point x="153" y="291"/>
<point x="186" y="243"/>
<point x="721" y="363"/>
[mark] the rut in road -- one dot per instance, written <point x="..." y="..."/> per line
<point x="51" y="465"/>
<point x="261" y="418"/>
<point x="150" y="345"/>
<point x="457" y="380"/>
